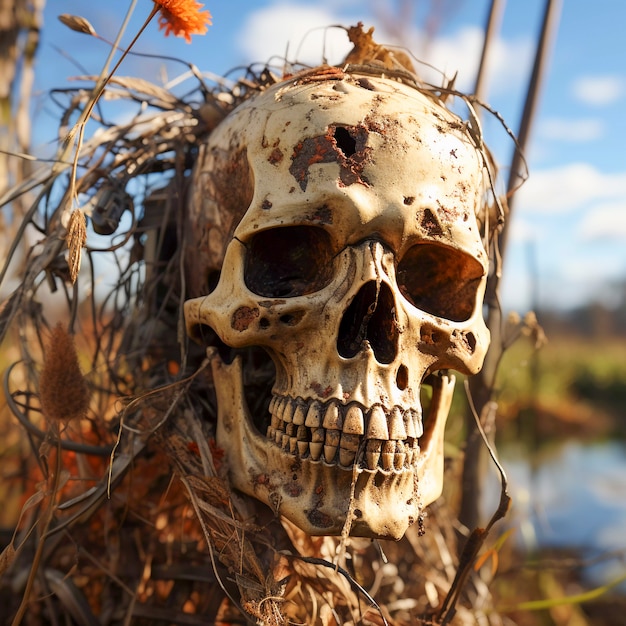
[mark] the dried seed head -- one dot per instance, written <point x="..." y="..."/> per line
<point x="77" y="23"/>
<point x="63" y="390"/>
<point x="75" y="239"/>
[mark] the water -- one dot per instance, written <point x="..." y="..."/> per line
<point x="575" y="496"/>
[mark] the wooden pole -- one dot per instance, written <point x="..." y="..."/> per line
<point x="494" y="20"/>
<point x="482" y="385"/>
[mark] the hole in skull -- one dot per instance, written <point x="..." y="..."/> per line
<point x="426" y="395"/>
<point x="402" y="378"/>
<point x="288" y="261"/>
<point x="202" y="334"/>
<point x="259" y="375"/>
<point x="213" y="277"/>
<point x="264" y="322"/>
<point x="430" y="335"/>
<point x="206" y="336"/>
<point x="471" y="341"/>
<point x="370" y="318"/>
<point x="440" y="280"/>
<point x="345" y="142"/>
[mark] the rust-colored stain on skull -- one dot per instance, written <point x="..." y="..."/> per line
<point x="243" y="317"/>
<point x="320" y="390"/>
<point x="319" y="519"/>
<point x="322" y="215"/>
<point x="276" y="156"/>
<point x="345" y="145"/>
<point x="294" y="489"/>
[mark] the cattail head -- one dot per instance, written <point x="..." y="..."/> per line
<point x="63" y="390"/>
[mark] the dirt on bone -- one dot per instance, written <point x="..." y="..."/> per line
<point x="243" y="317"/>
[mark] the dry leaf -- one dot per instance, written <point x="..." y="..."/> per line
<point x="76" y="239"/>
<point x="7" y="556"/>
<point x="77" y="23"/>
<point x="145" y="87"/>
<point x="367" y="51"/>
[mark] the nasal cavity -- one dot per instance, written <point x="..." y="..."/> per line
<point x="371" y="318"/>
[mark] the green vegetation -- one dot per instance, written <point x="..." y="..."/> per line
<point x="570" y="387"/>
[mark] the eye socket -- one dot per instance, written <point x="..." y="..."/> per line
<point x="440" y="280"/>
<point x="288" y="261"/>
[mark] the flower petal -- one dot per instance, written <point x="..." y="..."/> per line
<point x="183" y="18"/>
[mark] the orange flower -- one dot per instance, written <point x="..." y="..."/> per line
<point x="183" y="18"/>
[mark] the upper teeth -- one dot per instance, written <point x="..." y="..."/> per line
<point x="374" y="438"/>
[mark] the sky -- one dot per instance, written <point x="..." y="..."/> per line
<point x="567" y="238"/>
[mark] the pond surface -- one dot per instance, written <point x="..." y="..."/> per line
<point x="574" y="496"/>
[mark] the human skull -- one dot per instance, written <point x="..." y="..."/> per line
<point x="334" y="224"/>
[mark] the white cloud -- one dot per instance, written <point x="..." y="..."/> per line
<point x="455" y="54"/>
<point x="588" y="275"/>
<point x="523" y="230"/>
<point x="599" y="90"/>
<point x="568" y="188"/>
<point x="604" y="222"/>
<point x="508" y="62"/>
<point x="573" y="131"/>
<point x="296" y="31"/>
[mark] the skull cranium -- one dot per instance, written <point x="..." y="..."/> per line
<point x="334" y="228"/>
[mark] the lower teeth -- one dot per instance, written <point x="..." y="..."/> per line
<point x="387" y="455"/>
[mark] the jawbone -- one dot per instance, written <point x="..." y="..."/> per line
<point x="315" y="468"/>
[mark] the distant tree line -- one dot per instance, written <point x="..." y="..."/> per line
<point x="594" y="319"/>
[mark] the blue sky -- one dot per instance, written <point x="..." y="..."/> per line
<point x="570" y="217"/>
